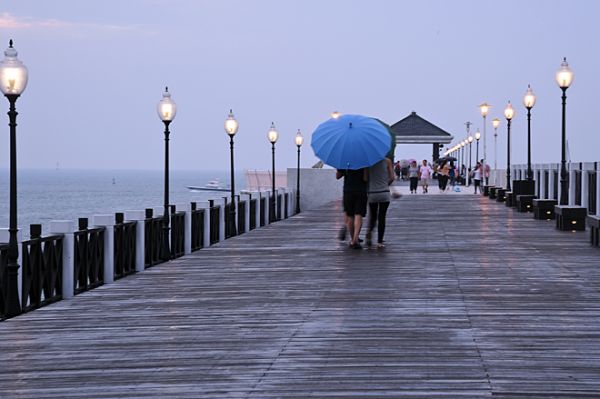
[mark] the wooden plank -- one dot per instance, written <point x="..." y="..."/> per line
<point x="470" y="299"/>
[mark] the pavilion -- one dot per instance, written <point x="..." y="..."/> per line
<point x="415" y="130"/>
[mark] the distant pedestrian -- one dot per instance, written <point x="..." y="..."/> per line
<point x="380" y="177"/>
<point x="486" y="173"/>
<point x="425" y="173"/>
<point x="397" y="169"/>
<point x="452" y="174"/>
<point x="443" y="174"/>
<point x="355" y="201"/>
<point x="477" y="173"/>
<point x="413" y="176"/>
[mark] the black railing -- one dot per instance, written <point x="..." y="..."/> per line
<point x="214" y="222"/>
<point x="547" y="182"/>
<point x="556" y="181"/>
<point x="42" y="263"/>
<point x="272" y="209"/>
<point x="197" y="227"/>
<point x="262" y="210"/>
<point x="241" y="217"/>
<point x="125" y="246"/>
<point x="252" y="214"/>
<point x="578" y="187"/>
<point x="592" y="192"/>
<point x="227" y="217"/>
<point x="153" y="231"/>
<point x="3" y="279"/>
<point x="286" y="198"/>
<point x="89" y="257"/>
<point x="538" y="175"/>
<point x="177" y="233"/>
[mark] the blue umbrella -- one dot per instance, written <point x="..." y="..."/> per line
<point x="351" y="142"/>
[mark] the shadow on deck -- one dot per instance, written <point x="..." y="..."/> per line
<point x="469" y="299"/>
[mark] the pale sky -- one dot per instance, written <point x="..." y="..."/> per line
<point x="98" y="68"/>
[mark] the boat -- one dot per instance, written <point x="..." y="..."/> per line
<point x="213" y="185"/>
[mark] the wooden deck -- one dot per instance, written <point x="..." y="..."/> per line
<point x="469" y="300"/>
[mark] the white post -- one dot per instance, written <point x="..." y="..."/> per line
<point x="67" y="228"/>
<point x="108" y="222"/>
<point x="584" y="188"/>
<point x="246" y="198"/>
<point x="571" y="184"/>
<point x="551" y="182"/>
<point x="140" y="245"/>
<point x="267" y="206"/>
<point x="221" y="203"/>
<point x="187" y="234"/>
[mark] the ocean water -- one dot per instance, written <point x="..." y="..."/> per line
<point x="45" y="195"/>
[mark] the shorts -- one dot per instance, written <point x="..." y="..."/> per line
<point x="355" y="203"/>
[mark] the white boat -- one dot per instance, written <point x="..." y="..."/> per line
<point x="213" y="185"/>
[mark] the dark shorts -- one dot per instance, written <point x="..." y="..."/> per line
<point x="355" y="203"/>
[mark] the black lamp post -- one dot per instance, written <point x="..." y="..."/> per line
<point x="509" y="112"/>
<point x="477" y="137"/>
<point x="470" y="140"/>
<point x="564" y="78"/>
<point x="495" y="124"/>
<point x="13" y="80"/>
<point x="299" y="140"/>
<point x="231" y="128"/>
<point x="273" y="135"/>
<point x="529" y="102"/>
<point x="166" y="112"/>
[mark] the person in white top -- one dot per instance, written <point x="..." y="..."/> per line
<point x="477" y="177"/>
<point x="425" y="173"/>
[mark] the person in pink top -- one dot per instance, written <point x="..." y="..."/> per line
<point x="425" y="173"/>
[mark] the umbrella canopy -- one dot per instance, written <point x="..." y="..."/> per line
<point x="446" y="159"/>
<point x="390" y="153"/>
<point x="351" y="142"/>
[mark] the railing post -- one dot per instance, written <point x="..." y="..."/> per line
<point x="187" y="222"/>
<point x="584" y="186"/>
<point x="108" y="222"/>
<point x="67" y="228"/>
<point x="597" y="164"/>
<point x="140" y="243"/>
<point x="221" y="202"/>
<point x="572" y="184"/>
<point x="256" y="195"/>
<point x="4" y="239"/>
<point x="247" y="198"/>
<point x="551" y="182"/>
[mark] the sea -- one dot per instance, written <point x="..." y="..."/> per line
<point x="67" y="194"/>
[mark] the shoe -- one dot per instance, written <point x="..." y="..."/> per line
<point x="380" y="245"/>
<point x="357" y="246"/>
<point x="342" y="234"/>
<point x="368" y="238"/>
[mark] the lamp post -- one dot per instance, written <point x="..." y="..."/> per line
<point x="273" y="135"/>
<point x="477" y="137"/>
<point x="470" y="139"/>
<point x="167" y="110"/>
<point x="564" y="78"/>
<point x="529" y="102"/>
<point x="484" y="108"/>
<point x="298" y="140"/>
<point x="464" y="156"/>
<point x="509" y="112"/>
<point x="495" y="124"/>
<point x="231" y="128"/>
<point x="13" y="80"/>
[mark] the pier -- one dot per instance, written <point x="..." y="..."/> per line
<point x="469" y="299"/>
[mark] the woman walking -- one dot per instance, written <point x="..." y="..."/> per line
<point x="477" y="178"/>
<point x="443" y="172"/>
<point x="413" y="176"/>
<point x="381" y="175"/>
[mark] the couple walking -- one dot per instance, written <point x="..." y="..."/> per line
<point x="422" y="173"/>
<point x="367" y="186"/>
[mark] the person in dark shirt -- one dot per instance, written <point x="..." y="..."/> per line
<point x="355" y="201"/>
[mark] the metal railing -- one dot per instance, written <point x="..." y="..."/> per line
<point x="125" y="246"/>
<point x="578" y="187"/>
<point x="252" y="214"/>
<point x="3" y="279"/>
<point x="286" y="199"/>
<point x="279" y="203"/>
<point x="262" y="210"/>
<point x="42" y="263"/>
<point x="89" y="257"/>
<point x="153" y="232"/>
<point x="241" y="217"/>
<point x="227" y="217"/>
<point x="214" y="211"/>
<point x="592" y="187"/>
<point x="177" y="233"/>
<point x="197" y="227"/>
<point x="555" y="185"/>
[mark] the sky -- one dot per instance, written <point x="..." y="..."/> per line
<point x="97" y="69"/>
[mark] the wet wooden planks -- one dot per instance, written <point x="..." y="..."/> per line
<point x="469" y="299"/>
